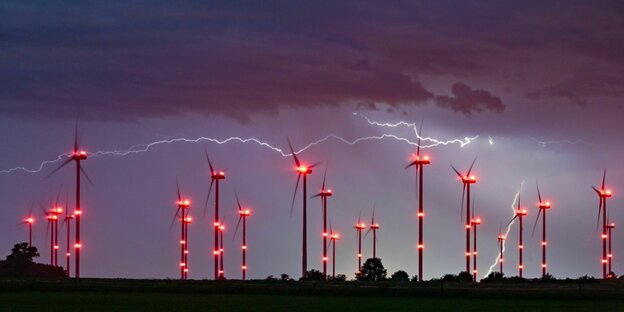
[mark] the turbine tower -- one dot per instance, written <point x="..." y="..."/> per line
<point x="543" y="207"/>
<point x="373" y="227"/>
<point x="183" y="207"/>
<point x="419" y="164"/>
<point x="359" y="227"/>
<point x="215" y="177"/>
<point x="610" y="227"/>
<point x="501" y="241"/>
<point x="475" y="222"/>
<point x="302" y="170"/>
<point x="603" y="194"/>
<point x="520" y="213"/>
<point x="466" y="180"/>
<point x="333" y="238"/>
<point x="243" y="214"/>
<point x="324" y="194"/>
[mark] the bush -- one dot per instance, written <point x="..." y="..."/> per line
<point x="400" y="276"/>
<point x="313" y="275"/>
<point x="414" y="279"/>
<point x="494" y="277"/>
<point x="372" y="270"/>
<point x="461" y="277"/>
<point x="339" y="277"/>
<point x="284" y="277"/>
<point x="547" y="278"/>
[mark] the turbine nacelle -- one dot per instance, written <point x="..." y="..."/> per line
<point x="476" y="221"/>
<point x="521" y="212"/>
<point x="79" y="155"/>
<point x="218" y="175"/>
<point x="469" y="179"/>
<point x="544" y="205"/>
<point x="29" y="220"/>
<point x="184" y="203"/>
<point x="611" y="226"/>
<point x="304" y="170"/>
<point x="335" y="236"/>
<point x="360" y="226"/>
<point x="188" y="220"/>
<point x="501" y="237"/>
<point x="605" y="193"/>
<point x="244" y="213"/>
<point x="375" y="226"/>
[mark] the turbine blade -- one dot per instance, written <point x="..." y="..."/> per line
<point x="599" y="211"/>
<point x="373" y="219"/>
<point x="360" y="216"/>
<point x="366" y="234"/>
<point x="58" y="196"/>
<point x="292" y="150"/>
<point x="238" y="201"/>
<point x="209" y="162"/>
<point x="419" y="135"/>
<point x="76" y="135"/>
<point x="315" y="164"/>
<point x="597" y="191"/>
<point x="237" y="225"/>
<point x="178" y="188"/>
<point x="324" y="177"/>
<point x="461" y="210"/>
<point x="84" y="173"/>
<point x="175" y="217"/>
<point x="292" y="205"/>
<point x="317" y="195"/>
<point x="512" y="219"/>
<point x="604" y="177"/>
<point x="58" y="168"/>
<point x="458" y="174"/>
<point x="413" y="163"/>
<point x="470" y="169"/>
<point x="539" y="195"/>
<point x="536" y="219"/>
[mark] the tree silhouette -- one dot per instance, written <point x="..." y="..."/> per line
<point x="372" y="270"/>
<point x="22" y="253"/>
<point x="313" y="275"/>
<point x="400" y="276"/>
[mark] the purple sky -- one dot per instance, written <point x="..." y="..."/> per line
<point x="511" y="74"/>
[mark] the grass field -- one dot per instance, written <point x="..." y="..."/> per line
<point x="202" y="295"/>
<point x="115" y="301"/>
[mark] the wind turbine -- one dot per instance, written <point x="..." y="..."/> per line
<point x="501" y="241"/>
<point x="419" y="164"/>
<point x="603" y="194"/>
<point x="520" y="213"/>
<point x="333" y="238"/>
<point x="51" y="216"/>
<point x="182" y="212"/>
<point x="78" y="155"/>
<point x="243" y="214"/>
<point x="474" y="222"/>
<point x="302" y="170"/>
<point x="543" y="207"/>
<point x="359" y="226"/>
<point x="467" y="180"/>
<point x="29" y="220"/>
<point x="215" y="177"/>
<point x="58" y="211"/>
<point x="610" y="227"/>
<point x="323" y="195"/>
<point x="373" y="227"/>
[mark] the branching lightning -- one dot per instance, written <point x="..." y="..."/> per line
<point x="141" y="148"/>
<point x="513" y="209"/>
<point x="561" y="142"/>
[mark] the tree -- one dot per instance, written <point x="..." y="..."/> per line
<point x="313" y="275"/>
<point x="22" y="253"/>
<point x="339" y="277"/>
<point x="284" y="277"/>
<point x="400" y="276"/>
<point x="372" y="270"/>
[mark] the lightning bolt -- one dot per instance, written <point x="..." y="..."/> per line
<point x="561" y="142"/>
<point x="141" y="148"/>
<point x="434" y="142"/>
<point x="513" y="209"/>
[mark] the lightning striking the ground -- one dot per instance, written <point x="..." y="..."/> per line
<point x="513" y="209"/>
<point x="141" y="148"/>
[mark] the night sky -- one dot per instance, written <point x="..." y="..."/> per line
<point x="533" y="89"/>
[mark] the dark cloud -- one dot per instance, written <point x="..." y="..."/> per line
<point x="123" y="61"/>
<point x="469" y="101"/>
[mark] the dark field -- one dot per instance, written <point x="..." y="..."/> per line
<point x="135" y="295"/>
